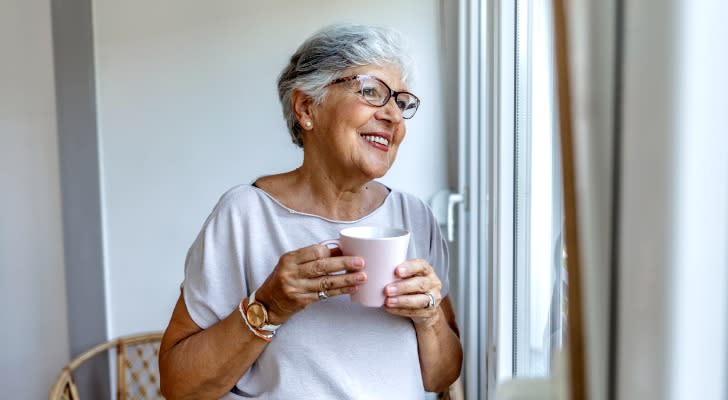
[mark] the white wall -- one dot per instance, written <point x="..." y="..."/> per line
<point x="698" y="336"/>
<point x="34" y="335"/>
<point x="187" y="108"/>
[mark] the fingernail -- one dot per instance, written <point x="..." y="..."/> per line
<point x="361" y="277"/>
<point x="358" y="262"/>
<point x="402" y="270"/>
<point x="392" y="301"/>
<point x="391" y="289"/>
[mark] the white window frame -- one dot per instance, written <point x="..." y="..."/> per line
<point x="485" y="119"/>
<point x="486" y="116"/>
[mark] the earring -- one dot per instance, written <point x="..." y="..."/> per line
<point x="308" y="124"/>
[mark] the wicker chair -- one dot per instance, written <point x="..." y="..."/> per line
<point x="137" y="374"/>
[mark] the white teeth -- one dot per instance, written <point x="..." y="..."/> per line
<point x="376" y="139"/>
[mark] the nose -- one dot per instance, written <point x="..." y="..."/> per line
<point x="390" y="112"/>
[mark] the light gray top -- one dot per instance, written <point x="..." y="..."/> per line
<point x="333" y="349"/>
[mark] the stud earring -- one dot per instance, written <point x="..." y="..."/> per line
<point x="308" y="124"/>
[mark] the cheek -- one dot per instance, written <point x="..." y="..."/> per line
<point x="401" y="133"/>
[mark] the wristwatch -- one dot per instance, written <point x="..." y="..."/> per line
<point x="257" y="315"/>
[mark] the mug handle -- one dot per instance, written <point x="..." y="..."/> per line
<point x="329" y="242"/>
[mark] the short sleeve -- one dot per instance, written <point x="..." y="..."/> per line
<point x="439" y="256"/>
<point x="430" y="245"/>
<point x="214" y="282"/>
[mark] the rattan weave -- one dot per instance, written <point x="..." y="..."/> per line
<point x="137" y="372"/>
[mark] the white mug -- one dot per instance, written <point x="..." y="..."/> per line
<point x="383" y="249"/>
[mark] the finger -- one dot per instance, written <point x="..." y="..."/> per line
<point x="308" y="254"/>
<point x="330" y="282"/>
<point x="416" y="284"/>
<point x="329" y="265"/>
<point x="417" y="267"/>
<point x="338" y="291"/>
<point x="418" y="301"/>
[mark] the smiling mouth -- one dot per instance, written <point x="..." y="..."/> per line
<point x="377" y="141"/>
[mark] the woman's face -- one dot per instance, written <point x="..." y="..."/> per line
<point x="352" y="137"/>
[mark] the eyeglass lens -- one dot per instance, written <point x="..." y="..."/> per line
<point x="377" y="93"/>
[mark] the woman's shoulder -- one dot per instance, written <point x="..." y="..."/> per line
<point x="408" y="199"/>
<point x="238" y="201"/>
<point x="240" y="204"/>
<point x="237" y="194"/>
<point x="416" y="207"/>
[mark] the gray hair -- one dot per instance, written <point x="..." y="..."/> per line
<point x="328" y="54"/>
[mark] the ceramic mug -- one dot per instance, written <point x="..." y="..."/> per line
<point x="383" y="249"/>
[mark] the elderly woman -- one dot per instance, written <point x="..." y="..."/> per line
<point x="345" y="98"/>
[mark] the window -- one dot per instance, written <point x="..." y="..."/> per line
<point x="539" y="278"/>
<point x="511" y="279"/>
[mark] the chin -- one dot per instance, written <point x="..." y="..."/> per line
<point x="377" y="173"/>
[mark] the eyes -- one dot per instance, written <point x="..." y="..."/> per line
<point x="377" y="93"/>
<point x="372" y="93"/>
<point x="403" y="105"/>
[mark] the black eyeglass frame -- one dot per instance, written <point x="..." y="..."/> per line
<point x="392" y="93"/>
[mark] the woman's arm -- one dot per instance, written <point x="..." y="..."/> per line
<point x="438" y="341"/>
<point x="440" y="351"/>
<point x="204" y="364"/>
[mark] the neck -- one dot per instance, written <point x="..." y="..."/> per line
<point x="328" y="178"/>
<point x="324" y="193"/>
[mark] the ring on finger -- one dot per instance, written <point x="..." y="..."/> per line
<point x="430" y="300"/>
<point x="322" y="295"/>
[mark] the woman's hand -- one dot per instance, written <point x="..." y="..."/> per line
<point x="409" y="297"/>
<point x="302" y="274"/>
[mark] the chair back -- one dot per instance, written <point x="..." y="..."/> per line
<point x="137" y="372"/>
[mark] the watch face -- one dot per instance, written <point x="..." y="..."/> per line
<point x="256" y="315"/>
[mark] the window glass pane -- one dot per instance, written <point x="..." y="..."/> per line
<point x="539" y="277"/>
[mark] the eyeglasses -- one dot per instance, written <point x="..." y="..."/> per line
<point x="377" y="93"/>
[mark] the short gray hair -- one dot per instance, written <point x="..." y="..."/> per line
<point x="328" y="54"/>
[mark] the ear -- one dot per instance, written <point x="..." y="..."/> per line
<point x="303" y="108"/>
